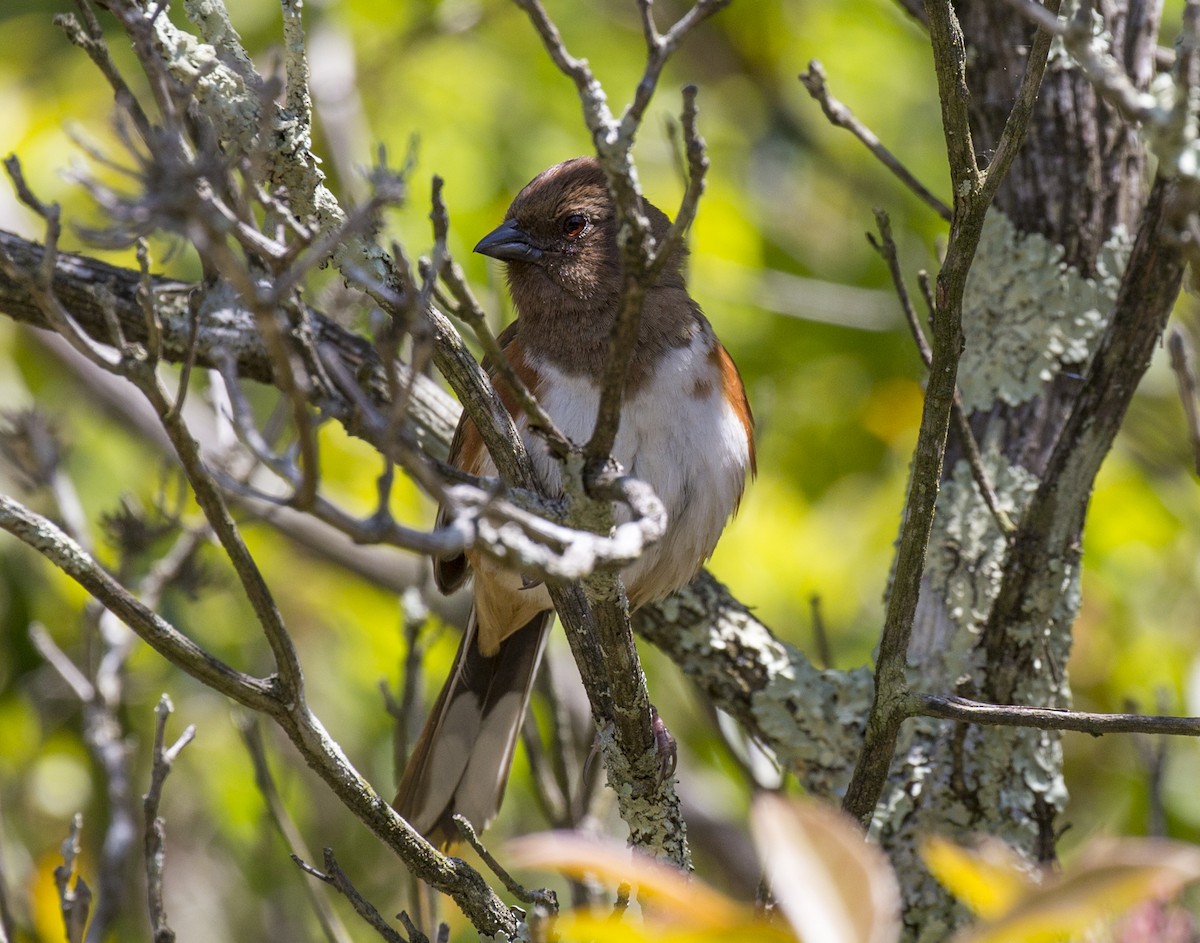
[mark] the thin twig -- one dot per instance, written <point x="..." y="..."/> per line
<point x="540" y="897"/>
<point x="1109" y="76"/>
<point x="554" y="805"/>
<point x="405" y="710"/>
<point x="1049" y="718"/>
<point x="155" y="833"/>
<point x="1183" y="364"/>
<point x="1017" y="123"/>
<point x="887" y="707"/>
<point x="335" y="877"/>
<point x="335" y="931"/>
<point x="189" y="363"/>
<point x="106" y="740"/>
<point x="469" y="309"/>
<point x="642" y="263"/>
<point x="841" y="116"/>
<point x="83" y="689"/>
<point x="74" y="895"/>
<point x="38" y="283"/>
<point x="92" y="42"/>
<point x="414" y="933"/>
<point x="1153" y="753"/>
<point x="659" y="48"/>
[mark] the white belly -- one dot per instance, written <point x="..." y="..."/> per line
<point x="679" y="435"/>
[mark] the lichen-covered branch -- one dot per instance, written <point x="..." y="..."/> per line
<point x="1048" y="534"/>
<point x="811" y="720"/>
<point x="974" y="190"/>
<point x="887" y="709"/>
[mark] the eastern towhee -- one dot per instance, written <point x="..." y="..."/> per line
<point x="685" y="429"/>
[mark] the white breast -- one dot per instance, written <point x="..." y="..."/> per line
<point x="679" y="435"/>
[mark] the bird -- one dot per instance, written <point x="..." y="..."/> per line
<point x="686" y="429"/>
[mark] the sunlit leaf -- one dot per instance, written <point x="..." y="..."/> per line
<point x="676" y="908"/>
<point x="689" y="900"/>
<point x="1109" y="878"/>
<point x="595" y="928"/>
<point x="833" y="885"/>
<point x="989" y="878"/>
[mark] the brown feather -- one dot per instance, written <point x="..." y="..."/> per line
<point x="735" y="394"/>
<point x="559" y="243"/>
<point x="460" y="762"/>
<point x="468" y="452"/>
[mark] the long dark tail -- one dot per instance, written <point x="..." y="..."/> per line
<point x="461" y="761"/>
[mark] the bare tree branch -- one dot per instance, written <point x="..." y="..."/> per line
<point x="335" y="931"/>
<point x="545" y="900"/>
<point x="974" y="190"/>
<point x="74" y="895"/>
<point x="449" y="875"/>
<point x="154" y="840"/>
<point x="336" y="878"/>
<point x="883" y="723"/>
<point x="1045" y="718"/>
<point x="841" y="116"/>
<point x="47" y="539"/>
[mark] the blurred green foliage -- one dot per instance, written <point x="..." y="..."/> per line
<point x="782" y="269"/>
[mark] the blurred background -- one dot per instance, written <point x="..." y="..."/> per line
<point x="780" y="265"/>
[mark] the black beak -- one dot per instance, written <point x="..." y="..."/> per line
<point x="509" y="242"/>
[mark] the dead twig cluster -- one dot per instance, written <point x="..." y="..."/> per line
<point x="219" y="155"/>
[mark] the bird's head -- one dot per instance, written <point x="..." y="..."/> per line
<point x="559" y="239"/>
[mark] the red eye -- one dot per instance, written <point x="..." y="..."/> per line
<point x="574" y="225"/>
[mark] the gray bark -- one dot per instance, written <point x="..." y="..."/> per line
<point x="1040" y="319"/>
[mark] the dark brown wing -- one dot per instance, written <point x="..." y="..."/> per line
<point x="461" y="761"/>
<point x="468" y="452"/>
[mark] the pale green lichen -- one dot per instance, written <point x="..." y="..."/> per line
<point x="965" y="565"/>
<point x="811" y="720"/>
<point x="1027" y="315"/>
<point x="231" y="92"/>
<point x="832" y="706"/>
<point x="1007" y="773"/>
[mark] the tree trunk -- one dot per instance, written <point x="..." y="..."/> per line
<point x="995" y="614"/>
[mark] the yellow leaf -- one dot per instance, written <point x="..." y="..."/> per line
<point x="989" y="878"/>
<point x="676" y="897"/>
<point x="1109" y="878"/>
<point x="681" y="909"/>
<point x="590" y="927"/>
